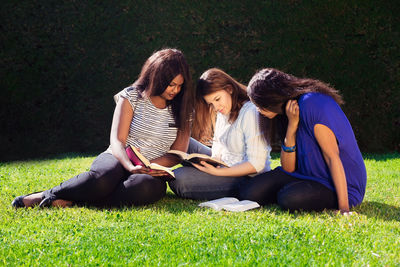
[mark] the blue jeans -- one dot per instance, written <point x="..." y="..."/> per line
<point x="195" y="184"/>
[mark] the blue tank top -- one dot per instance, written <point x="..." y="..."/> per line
<point x="316" y="108"/>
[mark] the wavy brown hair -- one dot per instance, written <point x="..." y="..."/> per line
<point x="157" y="73"/>
<point x="211" y="81"/>
<point x="271" y="89"/>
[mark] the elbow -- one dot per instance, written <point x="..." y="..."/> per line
<point x="288" y="165"/>
<point x="288" y="169"/>
<point x="255" y="166"/>
<point x="113" y="143"/>
<point x="116" y="141"/>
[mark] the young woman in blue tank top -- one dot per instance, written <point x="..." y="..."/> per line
<point x="154" y="115"/>
<point x="322" y="167"/>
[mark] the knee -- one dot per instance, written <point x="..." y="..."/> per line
<point x="259" y="189"/>
<point x="181" y="182"/>
<point x="287" y="202"/>
<point x="147" y="189"/>
<point x="247" y="193"/>
<point x="102" y="183"/>
<point x="108" y="177"/>
<point x="291" y="200"/>
<point x="115" y="172"/>
<point x="153" y="186"/>
<point x="254" y="194"/>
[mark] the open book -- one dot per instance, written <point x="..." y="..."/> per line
<point x="196" y="158"/>
<point x="230" y="204"/>
<point x="137" y="158"/>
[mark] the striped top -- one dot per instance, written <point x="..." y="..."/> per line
<point x="152" y="130"/>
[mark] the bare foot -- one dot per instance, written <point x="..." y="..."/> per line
<point x="61" y="203"/>
<point x="33" y="199"/>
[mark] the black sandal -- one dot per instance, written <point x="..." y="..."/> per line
<point x="18" y="202"/>
<point x="46" y="202"/>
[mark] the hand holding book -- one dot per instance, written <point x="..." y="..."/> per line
<point x="152" y="172"/>
<point x="152" y="169"/>
<point x="196" y="158"/>
<point x="207" y="168"/>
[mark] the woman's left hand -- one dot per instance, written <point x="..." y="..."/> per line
<point x="208" y="168"/>
<point x="293" y="114"/>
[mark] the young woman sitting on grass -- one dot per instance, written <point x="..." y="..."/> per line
<point x="153" y="115"/>
<point x="237" y="140"/>
<point x="322" y="167"/>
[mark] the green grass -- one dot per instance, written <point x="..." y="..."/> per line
<point x="176" y="232"/>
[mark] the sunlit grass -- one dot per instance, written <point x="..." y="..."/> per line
<point x="177" y="232"/>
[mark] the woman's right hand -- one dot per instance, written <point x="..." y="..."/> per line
<point x="136" y="169"/>
<point x="293" y="114"/>
<point x="143" y="170"/>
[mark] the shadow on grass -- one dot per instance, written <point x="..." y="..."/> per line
<point x="379" y="210"/>
<point x="170" y="203"/>
<point x="381" y="157"/>
<point x="275" y="155"/>
<point x="173" y="204"/>
<point x="382" y="211"/>
<point x="67" y="155"/>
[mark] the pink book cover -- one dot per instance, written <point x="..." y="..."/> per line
<point x="132" y="156"/>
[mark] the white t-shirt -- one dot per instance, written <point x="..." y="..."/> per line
<point x="242" y="140"/>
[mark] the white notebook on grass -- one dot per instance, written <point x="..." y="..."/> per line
<point x="230" y="204"/>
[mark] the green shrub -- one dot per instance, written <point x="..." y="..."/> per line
<point x="62" y="61"/>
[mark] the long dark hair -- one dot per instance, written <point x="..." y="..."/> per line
<point x="271" y="89"/>
<point x="157" y="73"/>
<point x="211" y="81"/>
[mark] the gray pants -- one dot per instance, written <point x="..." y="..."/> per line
<point x="195" y="184"/>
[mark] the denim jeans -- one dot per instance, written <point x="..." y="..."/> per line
<point x="195" y="184"/>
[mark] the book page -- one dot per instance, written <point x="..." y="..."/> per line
<point x="241" y="206"/>
<point x="217" y="204"/>
<point x="197" y="157"/>
<point x="156" y="166"/>
<point x="182" y="154"/>
<point x="145" y="161"/>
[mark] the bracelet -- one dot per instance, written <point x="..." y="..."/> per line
<point x="289" y="149"/>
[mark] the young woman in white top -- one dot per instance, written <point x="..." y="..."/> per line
<point x="153" y="115"/>
<point x="237" y="140"/>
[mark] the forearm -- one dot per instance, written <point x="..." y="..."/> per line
<point x="181" y="143"/>
<point x="330" y="150"/>
<point x="119" y="132"/>
<point x="339" y="180"/>
<point x="288" y="159"/>
<point x="243" y="169"/>
<point x="118" y="150"/>
<point x="167" y="160"/>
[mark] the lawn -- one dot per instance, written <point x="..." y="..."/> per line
<point x="176" y="232"/>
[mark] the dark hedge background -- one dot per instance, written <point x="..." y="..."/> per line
<point x="62" y="61"/>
